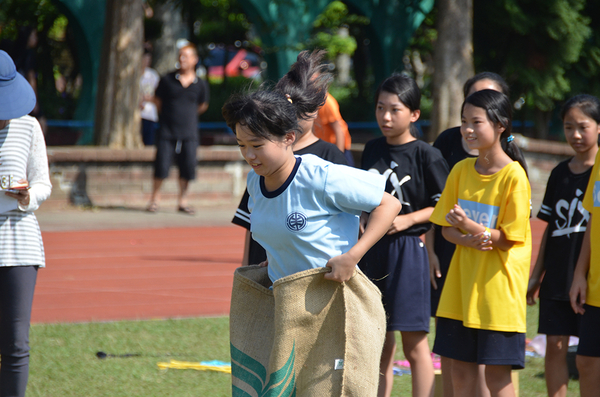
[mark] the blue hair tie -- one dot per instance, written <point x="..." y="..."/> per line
<point x="510" y="138"/>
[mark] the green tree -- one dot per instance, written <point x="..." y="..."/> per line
<point x="327" y="27"/>
<point x="211" y="21"/>
<point x="584" y="74"/>
<point x="54" y="49"/>
<point x="532" y="44"/>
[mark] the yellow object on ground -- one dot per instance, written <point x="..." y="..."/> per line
<point x="174" y="364"/>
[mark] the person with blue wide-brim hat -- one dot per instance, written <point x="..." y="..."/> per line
<point x="24" y="185"/>
<point x="17" y="98"/>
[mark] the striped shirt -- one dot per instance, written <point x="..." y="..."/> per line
<point x="23" y="155"/>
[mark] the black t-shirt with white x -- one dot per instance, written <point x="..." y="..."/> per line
<point x="567" y="221"/>
<point x="416" y="174"/>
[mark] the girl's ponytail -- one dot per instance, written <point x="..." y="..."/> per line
<point x="499" y="110"/>
<point x="513" y="151"/>
<point x="306" y="84"/>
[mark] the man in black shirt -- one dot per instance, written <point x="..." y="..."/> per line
<point x="180" y="97"/>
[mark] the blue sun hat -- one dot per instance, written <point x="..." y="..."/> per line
<point x="16" y="95"/>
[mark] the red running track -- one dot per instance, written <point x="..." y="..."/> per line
<point x="137" y="274"/>
<point x="143" y="274"/>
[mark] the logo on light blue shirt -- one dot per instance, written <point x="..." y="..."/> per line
<point x="484" y="214"/>
<point x="597" y="194"/>
<point x="296" y="221"/>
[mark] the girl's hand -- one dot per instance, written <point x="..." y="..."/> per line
<point x="342" y="268"/>
<point x="364" y="219"/>
<point x="264" y="263"/>
<point x="532" y="289"/>
<point x="434" y="270"/>
<point x="22" y="195"/>
<point x="478" y="241"/>
<point x="578" y="293"/>
<point x="400" y="223"/>
<point x="457" y="217"/>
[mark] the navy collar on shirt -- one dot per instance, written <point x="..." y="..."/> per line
<point x="281" y="188"/>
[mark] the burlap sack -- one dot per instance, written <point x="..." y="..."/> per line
<point x="306" y="337"/>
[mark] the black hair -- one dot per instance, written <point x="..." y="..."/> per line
<point x="496" y="78"/>
<point x="306" y="83"/>
<point x="408" y="92"/>
<point x="588" y="104"/>
<point x="266" y="113"/>
<point x="274" y="113"/>
<point x="498" y="109"/>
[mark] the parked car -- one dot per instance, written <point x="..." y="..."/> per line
<point x="233" y="62"/>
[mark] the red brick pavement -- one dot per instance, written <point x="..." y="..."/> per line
<point x="137" y="274"/>
<point x="141" y="274"/>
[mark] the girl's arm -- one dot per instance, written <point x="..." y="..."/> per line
<point x="343" y="266"/>
<point x="455" y="236"/>
<point x="578" y="291"/>
<point x="434" y="262"/>
<point x="38" y="174"/>
<point x="340" y="136"/>
<point x="475" y="232"/>
<point x="246" y="257"/>
<point x="538" y="270"/>
<point x="403" y="222"/>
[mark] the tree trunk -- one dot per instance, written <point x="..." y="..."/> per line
<point x="453" y="63"/>
<point x="165" y="47"/>
<point x="117" y="120"/>
<point x="343" y="61"/>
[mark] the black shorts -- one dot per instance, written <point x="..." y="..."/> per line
<point x="454" y="340"/>
<point x="558" y="318"/>
<point x="399" y="267"/>
<point x="589" y="337"/>
<point x="444" y="251"/>
<point x="184" y="152"/>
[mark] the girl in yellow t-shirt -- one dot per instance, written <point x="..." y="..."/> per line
<point x="585" y="291"/>
<point x="484" y="209"/>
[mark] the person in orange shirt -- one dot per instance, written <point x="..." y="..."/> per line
<point x="331" y="127"/>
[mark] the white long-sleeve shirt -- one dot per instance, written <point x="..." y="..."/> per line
<point x="23" y="155"/>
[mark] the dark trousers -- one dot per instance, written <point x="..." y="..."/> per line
<point x="16" y="297"/>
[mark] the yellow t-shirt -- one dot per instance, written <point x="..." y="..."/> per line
<point x="487" y="289"/>
<point x="591" y="202"/>
<point x="329" y="113"/>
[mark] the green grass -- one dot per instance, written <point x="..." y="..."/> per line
<point x="64" y="363"/>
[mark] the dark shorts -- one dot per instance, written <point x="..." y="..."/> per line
<point x="454" y="340"/>
<point x="558" y="318"/>
<point x="399" y="266"/>
<point x="149" y="130"/>
<point x="184" y="152"/>
<point x="589" y="334"/>
<point x="444" y="251"/>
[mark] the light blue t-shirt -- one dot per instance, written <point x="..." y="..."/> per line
<point x="313" y="216"/>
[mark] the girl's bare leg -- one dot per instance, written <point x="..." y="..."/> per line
<point x="464" y="378"/>
<point x="589" y="375"/>
<point x="557" y="371"/>
<point x="499" y="381"/>
<point x="416" y="350"/>
<point x="386" y="367"/>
